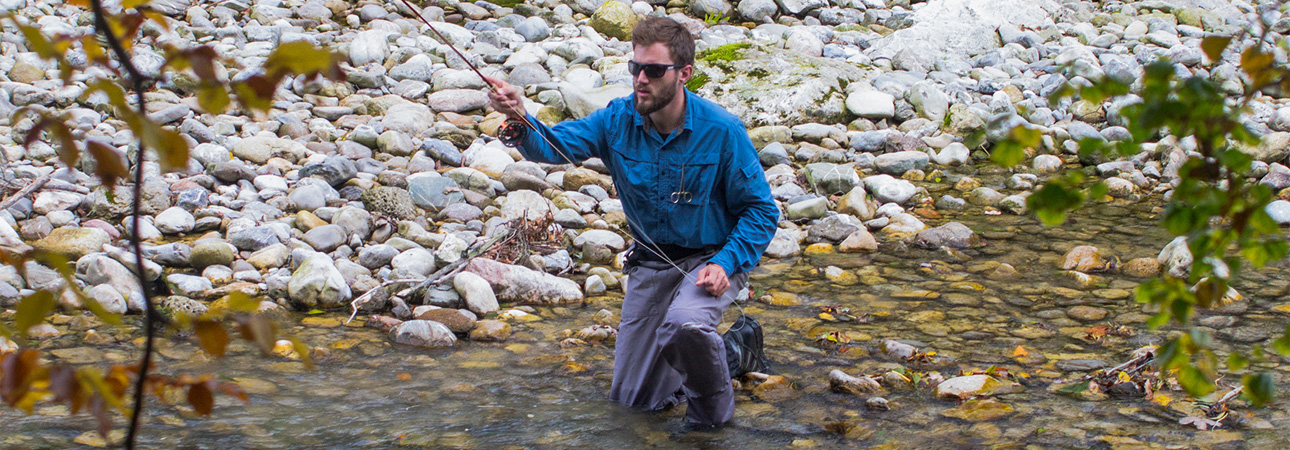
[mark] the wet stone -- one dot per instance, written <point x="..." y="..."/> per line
<point x="1087" y="313"/>
<point x="1080" y="365"/>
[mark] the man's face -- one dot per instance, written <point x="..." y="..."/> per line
<point x="652" y="94"/>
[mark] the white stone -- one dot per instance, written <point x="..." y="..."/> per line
<point x="478" y="294"/>
<point x="175" y="220"/>
<point x="871" y="104"/>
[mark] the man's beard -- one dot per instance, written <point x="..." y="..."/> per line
<point x="665" y="95"/>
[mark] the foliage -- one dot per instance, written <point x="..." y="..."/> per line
<point x="26" y="380"/>
<point x="697" y="82"/>
<point x="713" y="18"/>
<point x="1216" y="205"/>
<point x="728" y="52"/>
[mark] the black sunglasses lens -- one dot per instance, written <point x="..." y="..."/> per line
<point x="651" y="70"/>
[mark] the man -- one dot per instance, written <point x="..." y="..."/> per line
<point x="697" y="203"/>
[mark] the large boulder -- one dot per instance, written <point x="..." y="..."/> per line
<point x="317" y="284"/>
<point x="74" y="242"/>
<point x="258" y="149"/>
<point x="614" y="20"/>
<point x="522" y="285"/>
<point x="582" y="102"/>
<point x="939" y="31"/>
<point x="765" y="85"/>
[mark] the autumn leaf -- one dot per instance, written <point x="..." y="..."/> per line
<point x="1020" y="351"/>
<point x="201" y="398"/>
<point x="212" y="337"/>
<point x="301" y="57"/>
<point x="33" y="309"/>
<point x="109" y="164"/>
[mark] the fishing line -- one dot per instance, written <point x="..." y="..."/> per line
<point x="649" y="243"/>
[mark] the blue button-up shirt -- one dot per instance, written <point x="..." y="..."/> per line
<point x="700" y="186"/>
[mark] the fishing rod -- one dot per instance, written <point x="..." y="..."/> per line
<point x="513" y="130"/>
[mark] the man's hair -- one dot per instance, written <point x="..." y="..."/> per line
<point x="678" y="39"/>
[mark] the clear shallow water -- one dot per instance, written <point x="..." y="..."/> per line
<point x="530" y="392"/>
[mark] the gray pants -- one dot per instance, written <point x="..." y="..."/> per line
<point x="658" y="361"/>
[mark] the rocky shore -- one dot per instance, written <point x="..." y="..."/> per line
<point x="393" y="174"/>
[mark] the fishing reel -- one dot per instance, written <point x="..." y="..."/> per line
<point x="512" y="133"/>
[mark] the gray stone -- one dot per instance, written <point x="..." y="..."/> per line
<point x="525" y="286"/>
<point x="871" y="104"/>
<point x="1279" y="211"/>
<point x="258" y="149"/>
<point x="317" y="284"/>
<point x="376" y="256"/>
<point x="953" y="234"/>
<point x="253" y="238"/>
<point x="810" y="209"/>
<point x="423" y="333"/>
<point x="335" y="170"/>
<point x="900" y="162"/>
<point x="887" y="189"/>
<point x="457" y="100"/>
<point x="189" y="285"/>
<point x="828" y="178"/>
<point x="211" y="253"/>
<point x="433" y="192"/>
<point x="175" y="220"/>
<point x="834" y="229"/>
<point x="326" y="238"/>
<point x="368" y="47"/>
<point x="74" y="242"/>
<point x="417" y="261"/>
<point x="477" y="293"/>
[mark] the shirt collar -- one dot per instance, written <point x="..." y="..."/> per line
<point x="687" y="122"/>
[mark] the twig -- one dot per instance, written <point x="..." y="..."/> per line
<point x="432" y="279"/>
<point x="25" y="191"/>
<point x="150" y="311"/>
<point x="1135" y="362"/>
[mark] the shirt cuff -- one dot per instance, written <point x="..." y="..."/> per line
<point x="724" y="259"/>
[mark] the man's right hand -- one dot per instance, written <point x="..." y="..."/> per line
<point x="506" y="98"/>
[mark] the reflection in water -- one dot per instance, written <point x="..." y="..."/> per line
<point x="530" y="392"/>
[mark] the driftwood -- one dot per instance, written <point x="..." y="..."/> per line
<point x="25" y="191"/>
<point x="433" y="279"/>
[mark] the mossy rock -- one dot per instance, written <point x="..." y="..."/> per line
<point x="390" y="201"/>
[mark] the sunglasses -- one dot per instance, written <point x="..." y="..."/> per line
<point x="652" y="70"/>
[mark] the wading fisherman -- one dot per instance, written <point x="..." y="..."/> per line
<point x="698" y="206"/>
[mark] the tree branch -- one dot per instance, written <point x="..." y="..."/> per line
<point x="150" y="312"/>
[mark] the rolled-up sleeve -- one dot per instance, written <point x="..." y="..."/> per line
<point x="747" y="197"/>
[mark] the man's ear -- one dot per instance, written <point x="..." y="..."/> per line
<point x="685" y="73"/>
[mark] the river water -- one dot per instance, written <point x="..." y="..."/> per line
<point x="530" y="392"/>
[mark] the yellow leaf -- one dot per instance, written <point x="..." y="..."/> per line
<point x="828" y="317"/>
<point x="1020" y="351"/>
<point x="1214" y="46"/>
<point x="1161" y="399"/>
<point x="1254" y="60"/>
<point x="301" y="57"/>
<point x="1123" y="377"/>
<point x="212" y="337"/>
<point x="240" y="302"/>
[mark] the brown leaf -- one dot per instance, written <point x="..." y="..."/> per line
<point x="109" y="163"/>
<point x="1214" y="46"/>
<point x="212" y="336"/>
<point x="201" y="399"/>
<point x="260" y="331"/>
<point x="232" y="390"/>
<point x="15" y="369"/>
<point x="98" y="408"/>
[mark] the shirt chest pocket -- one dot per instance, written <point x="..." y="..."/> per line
<point x="696" y="178"/>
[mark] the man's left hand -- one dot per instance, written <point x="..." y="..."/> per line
<point x="714" y="278"/>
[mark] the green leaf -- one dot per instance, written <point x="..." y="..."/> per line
<point x="171" y="148"/>
<point x="1259" y="388"/>
<point x="1282" y="344"/>
<point x="1260" y="254"/>
<point x="213" y="98"/>
<point x="1236" y="362"/>
<point x="301" y="57"/>
<point x="1008" y="153"/>
<point x="33" y="309"/>
<point x="1194" y="381"/>
<point x="315" y="312"/>
<point x="1074" y="388"/>
<point x="1214" y="46"/>
<point x="36" y="42"/>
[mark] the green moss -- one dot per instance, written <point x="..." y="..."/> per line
<point x="759" y="73"/>
<point x="506" y="3"/>
<point x="697" y="82"/>
<point x="728" y="52"/>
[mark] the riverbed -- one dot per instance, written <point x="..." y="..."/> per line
<point x="532" y="392"/>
